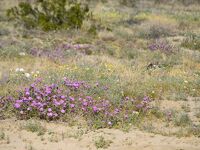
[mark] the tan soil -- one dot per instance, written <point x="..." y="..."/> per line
<point x="63" y="137"/>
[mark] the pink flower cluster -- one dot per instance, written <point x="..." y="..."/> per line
<point x="54" y="102"/>
<point x="163" y="46"/>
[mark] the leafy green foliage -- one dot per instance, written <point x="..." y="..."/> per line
<point x="50" y="14"/>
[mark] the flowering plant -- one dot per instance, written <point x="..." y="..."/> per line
<point x="161" y="45"/>
<point x="52" y="102"/>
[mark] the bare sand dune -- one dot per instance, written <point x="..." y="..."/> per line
<point x="62" y="137"/>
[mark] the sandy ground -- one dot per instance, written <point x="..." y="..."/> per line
<point x="62" y="137"/>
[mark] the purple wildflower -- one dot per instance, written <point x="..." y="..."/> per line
<point x="85" y="104"/>
<point x="71" y="98"/>
<point x="109" y="123"/>
<point x="17" y="105"/>
<point x="95" y="109"/>
<point x="62" y="111"/>
<point x="50" y="114"/>
<point x="63" y="97"/>
<point x="72" y="105"/>
<point x="27" y="93"/>
<point x="116" y="111"/>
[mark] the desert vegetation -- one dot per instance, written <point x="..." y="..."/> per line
<point x="98" y="68"/>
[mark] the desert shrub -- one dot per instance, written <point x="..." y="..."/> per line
<point x="192" y="42"/>
<point x="92" y="30"/>
<point x="11" y="48"/>
<point x="2" y="135"/>
<point x="93" y="1"/>
<point x="50" y="15"/>
<point x="102" y="143"/>
<point x="195" y="130"/>
<point x="3" y="104"/>
<point x="3" y="18"/>
<point x="184" y="25"/>
<point x="182" y="2"/>
<point x="182" y="119"/>
<point x="157" y="112"/>
<point x="156" y="31"/>
<point x="189" y="2"/>
<point x="34" y="126"/>
<point x="4" y="32"/>
<point x="160" y="1"/>
<point x="130" y="3"/>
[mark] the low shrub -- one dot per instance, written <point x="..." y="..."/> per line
<point x="102" y="143"/>
<point x="50" y="14"/>
<point x="3" y="104"/>
<point x="156" y="31"/>
<point x="195" y="130"/>
<point x="182" y="2"/>
<point x="130" y="3"/>
<point x="34" y="126"/>
<point x="182" y="119"/>
<point x="160" y="1"/>
<point x="189" y="2"/>
<point x="4" y="32"/>
<point x="2" y="135"/>
<point x="191" y="42"/>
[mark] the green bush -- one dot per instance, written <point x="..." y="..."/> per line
<point x="50" y="14"/>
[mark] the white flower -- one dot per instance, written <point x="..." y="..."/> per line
<point x="136" y="112"/>
<point x="37" y="72"/>
<point x="22" y="54"/>
<point x="27" y="75"/>
<point x="21" y="70"/>
<point x="17" y="69"/>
